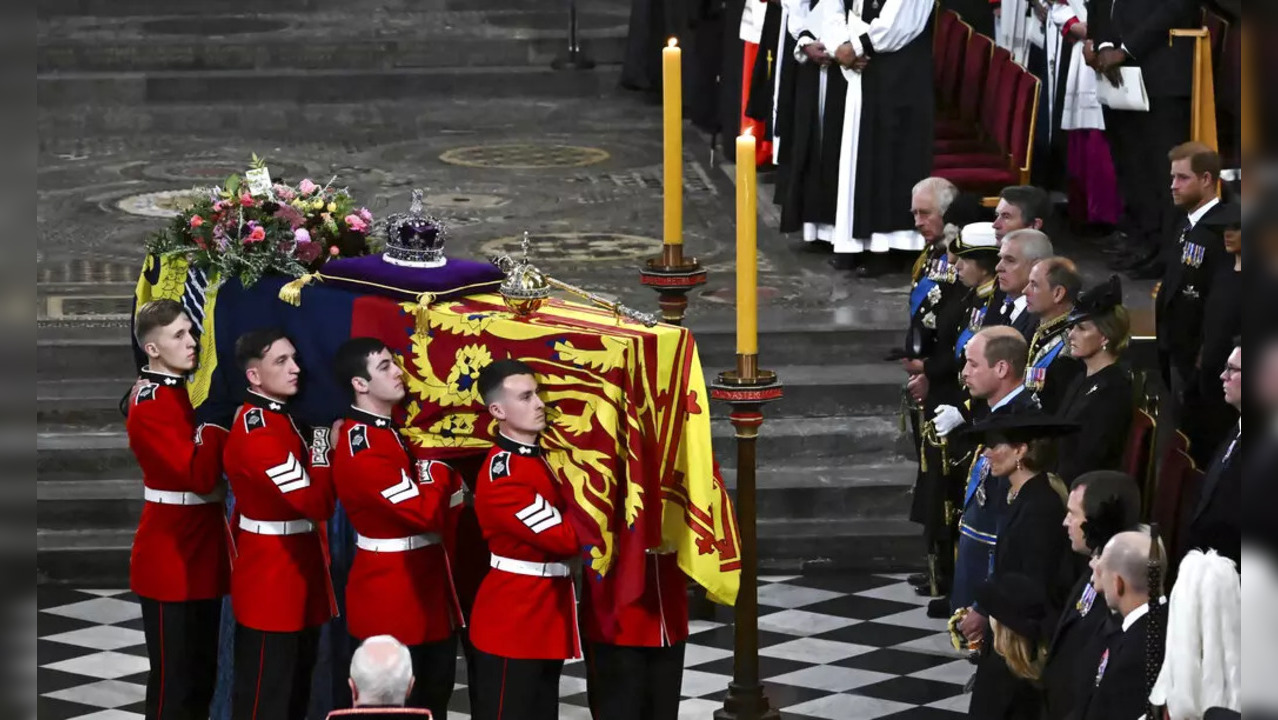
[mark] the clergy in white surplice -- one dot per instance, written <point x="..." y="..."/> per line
<point x="884" y="48"/>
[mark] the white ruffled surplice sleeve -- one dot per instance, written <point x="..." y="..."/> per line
<point x="898" y="24"/>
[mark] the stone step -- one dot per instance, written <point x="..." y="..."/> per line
<point x="785" y="441"/>
<point x="73" y="454"/>
<point x="270" y="42"/>
<point x="797" y="546"/>
<point x="829" y="390"/>
<point x="807" y="492"/>
<point x="239" y="87"/>
<point x="86" y="403"/>
<point x="75" y="353"/>
<point x="101" y="9"/>
<point x="84" y="557"/>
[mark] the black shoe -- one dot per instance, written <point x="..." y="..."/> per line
<point x="817" y="247"/>
<point x="874" y="265"/>
<point x="939" y="609"/>
<point x="919" y="580"/>
<point x="843" y="261"/>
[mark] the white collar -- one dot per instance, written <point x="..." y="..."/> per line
<point x="1198" y="214"/>
<point x="1007" y="398"/>
<point x="1135" y="615"/>
<point x="1018" y="306"/>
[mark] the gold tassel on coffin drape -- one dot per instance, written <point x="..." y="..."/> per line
<point x="1202" y="124"/>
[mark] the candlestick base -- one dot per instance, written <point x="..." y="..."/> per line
<point x="747" y="389"/>
<point x="673" y="277"/>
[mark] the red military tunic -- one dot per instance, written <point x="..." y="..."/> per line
<point x="181" y="550"/>
<point x="407" y="594"/>
<point x="520" y="509"/>
<point x="280" y="582"/>
<point x="658" y="618"/>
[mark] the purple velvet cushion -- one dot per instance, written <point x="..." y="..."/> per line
<point x="370" y="274"/>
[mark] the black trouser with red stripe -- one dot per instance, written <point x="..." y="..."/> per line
<point x="273" y="673"/>
<point x="516" y="689"/>
<point x="181" y="643"/>
<point x="634" y="683"/>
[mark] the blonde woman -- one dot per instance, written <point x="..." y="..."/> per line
<point x="1019" y="619"/>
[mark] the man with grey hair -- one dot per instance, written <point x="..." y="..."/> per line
<point x="1122" y="574"/>
<point x="1053" y="287"/>
<point x="1017" y="254"/>
<point x="381" y="679"/>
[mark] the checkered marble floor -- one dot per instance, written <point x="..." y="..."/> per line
<point x="835" y="647"/>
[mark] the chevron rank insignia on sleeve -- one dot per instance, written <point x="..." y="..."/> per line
<point x="254" y="419"/>
<point x="289" y="475"/>
<point x="403" y="490"/>
<point x="358" y="438"/>
<point x="146" y="392"/>
<point x="499" y="466"/>
<point x="540" y="516"/>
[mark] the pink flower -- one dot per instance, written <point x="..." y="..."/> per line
<point x="284" y="193"/>
<point x="301" y="235"/>
<point x="217" y="206"/>
<point x="355" y="223"/>
<point x="308" y="252"/>
<point x="306" y="187"/>
<point x="196" y="221"/>
<point x="246" y="200"/>
<point x="334" y="251"/>
<point x="365" y="215"/>
<point x="258" y="235"/>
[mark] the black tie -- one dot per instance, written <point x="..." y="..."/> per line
<point x="1184" y="230"/>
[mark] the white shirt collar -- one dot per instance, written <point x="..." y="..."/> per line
<point x="1007" y="398"/>
<point x="1018" y="306"/>
<point x="1135" y="615"/>
<point x="1198" y="214"/>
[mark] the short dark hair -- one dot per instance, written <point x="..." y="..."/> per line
<point x="494" y="375"/>
<point x="1009" y="347"/>
<point x="1202" y="159"/>
<point x="1062" y="272"/>
<point x="1111" y="504"/>
<point x="351" y="360"/>
<point x="253" y="345"/>
<point x="1032" y="201"/>
<point x="155" y="315"/>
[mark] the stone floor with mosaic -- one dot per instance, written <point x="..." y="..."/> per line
<point x="832" y="646"/>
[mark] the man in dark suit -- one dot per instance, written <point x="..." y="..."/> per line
<point x="1134" y="33"/>
<point x="1101" y="504"/>
<point x="1192" y="255"/>
<point x="1217" y="519"/>
<point x="1118" y="689"/>
<point x="1018" y="251"/>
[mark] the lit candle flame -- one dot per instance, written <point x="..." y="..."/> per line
<point x="672" y="42"/>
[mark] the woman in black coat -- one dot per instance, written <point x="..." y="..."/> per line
<point x="1100" y="401"/>
<point x="1031" y="542"/>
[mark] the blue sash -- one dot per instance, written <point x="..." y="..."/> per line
<point x="919" y="293"/>
<point x="979" y="468"/>
<point x="1036" y="374"/>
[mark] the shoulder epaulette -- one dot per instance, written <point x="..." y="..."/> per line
<point x="357" y="437"/>
<point x="254" y="419"/>
<point x="145" y="393"/>
<point x="499" y="466"/>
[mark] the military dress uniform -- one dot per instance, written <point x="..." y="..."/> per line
<point x="635" y="666"/>
<point x="180" y="563"/>
<point x="281" y="590"/>
<point x="1192" y="260"/>
<point x="1049" y="369"/>
<point x="524" y="622"/>
<point x="400" y="582"/>
<point x="934" y="301"/>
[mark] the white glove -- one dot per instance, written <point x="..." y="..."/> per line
<point x="946" y="419"/>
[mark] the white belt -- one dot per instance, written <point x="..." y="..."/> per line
<point x="399" y="544"/>
<point x="457" y="498"/>
<point x="174" y="497"/>
<point x="276" y="527"/>
<point x="534" y="569"/>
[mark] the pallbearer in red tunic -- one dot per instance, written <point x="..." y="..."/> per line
<point x="400" y="582"/>
<point x="179" y="566"/>
<point x="524" y="623"/>
<point x="636" y="666"/>
<point x="280" y="588"/>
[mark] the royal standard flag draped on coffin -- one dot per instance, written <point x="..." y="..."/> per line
<point x="628" y="411"/>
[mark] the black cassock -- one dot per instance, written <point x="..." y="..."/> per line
<point x="808" y="181"/>
<point x="1102" y="405"/>
<point x="1031" y="542"/>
